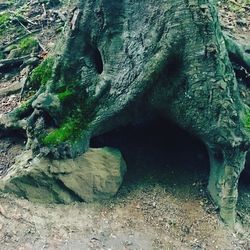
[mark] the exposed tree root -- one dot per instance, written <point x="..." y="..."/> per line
<point x="7" y="64"/>
<point x="237" y="52"/>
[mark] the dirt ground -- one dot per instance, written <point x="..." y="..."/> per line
<point x="162" y="204"/>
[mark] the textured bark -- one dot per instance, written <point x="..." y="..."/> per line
<point x="127" y="61"/>
<point x="226" y="167"/>
<point x="238" y="53"/>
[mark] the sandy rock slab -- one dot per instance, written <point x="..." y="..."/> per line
<point x="95" y="175"/>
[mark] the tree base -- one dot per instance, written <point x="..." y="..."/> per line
<point x="225" y="170"/>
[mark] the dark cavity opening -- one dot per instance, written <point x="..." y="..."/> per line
<point x="97" y="57"/>
<point x="243" y="204"/>
<point x="160" y="153"/>
<point x="94" y="56"/>
<point x="242" y="74"/>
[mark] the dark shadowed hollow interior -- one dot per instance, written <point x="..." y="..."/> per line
<point x="160" y="153"/>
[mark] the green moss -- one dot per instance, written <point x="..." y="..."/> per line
<point x="4" y="18"/>
<point x="28" y="43"/>
<point x="23" y="109"/>
<point x="68" y="131"/>
<point x="246" y="117"/>
<point x="43" y="73"/>
<point x="247" y="121"/>
<point x="24" y="106"/>
<point x="63" y="96"/>
<point x="60" y="135"/>
<point x="74" y="120"/>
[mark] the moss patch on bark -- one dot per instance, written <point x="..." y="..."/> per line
<point x="68" y="131"/>
<point x="246" y="118"/>
<point x="43" y="73"/>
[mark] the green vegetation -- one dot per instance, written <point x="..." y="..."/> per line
<point x="23" y="109"/>
<point x="24" y="106"/>
<point x="72" y="124"/>
<point x="68" y="131"/>
<point x="63" y="96"/>
<point x="246" y="117"/>
<point x="4" y="18"/>
<point x="247" y="121"/>
<point x="42" y="74"/>
<point x="61" y="134"/>
<point x="27" y="44"/>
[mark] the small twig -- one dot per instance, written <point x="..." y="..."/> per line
<point x="61" y="16"/>
<point x="44" y="11"/>
<point x="23" y="26"/>
<point x="74" y="19"/>
<point x="41" y="46"/>
<point x="2" y="212"/>
<point x="23" y="17"/>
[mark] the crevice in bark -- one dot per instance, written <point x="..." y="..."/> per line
<point x="97" y="57"/>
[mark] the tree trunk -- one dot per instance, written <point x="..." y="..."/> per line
<point x="126" y="61"/>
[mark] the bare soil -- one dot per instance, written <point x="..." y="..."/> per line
<point x="10" y="148"/>
<point x="162" y="204"/>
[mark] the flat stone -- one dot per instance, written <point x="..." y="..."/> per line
<point x="96" y="175"/>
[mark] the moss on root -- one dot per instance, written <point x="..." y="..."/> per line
<point x="72" y="123"/>
<point x="247" y="121"/>
<point x="246" y="118"/>
<point x="42" y="73"/>
<point x="69" y="131"/>
<point x="25" y="108"/>
<point x="65" y="95"/>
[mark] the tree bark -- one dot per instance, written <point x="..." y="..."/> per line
<point x="126" y="61"/>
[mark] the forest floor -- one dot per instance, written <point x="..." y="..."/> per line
<point x="162" y="204"/>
